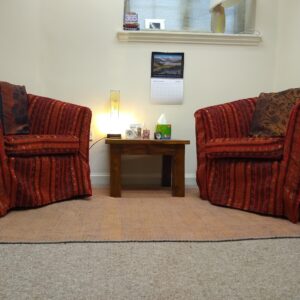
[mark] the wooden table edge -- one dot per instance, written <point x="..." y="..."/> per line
<point x="111" y="141"/>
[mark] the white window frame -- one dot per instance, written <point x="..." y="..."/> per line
<point x="189" y="37"/>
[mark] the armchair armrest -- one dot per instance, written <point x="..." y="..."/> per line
<point x="229" y="120"/>
<point x="291" y="161"/>
<point x="49" y="116"/>
<point x="2" y="151"/>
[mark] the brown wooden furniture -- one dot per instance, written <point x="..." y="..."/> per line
<point x="172" y="152"/>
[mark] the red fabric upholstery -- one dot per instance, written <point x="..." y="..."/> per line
<point x="13" y="108"/>
<point x="267" y="184"/>
<point x="50" y="164"/>
<point x="4" y="197"/>
<point x="30" y="145"/>
<point x="252" y="147"/>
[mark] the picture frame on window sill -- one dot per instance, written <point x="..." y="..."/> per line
<point x="155" y="24"/>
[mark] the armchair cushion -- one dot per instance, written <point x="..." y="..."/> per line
<point x="14" y="108"/>
<point x="32" y="145"/>
<point x="272" y="112"/>
<point x="267" y="148"/>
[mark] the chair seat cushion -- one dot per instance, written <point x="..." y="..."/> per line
<point x="31" y="145"/>
<point x="254" y="147"/>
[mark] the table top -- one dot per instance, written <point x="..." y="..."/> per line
<point x="145" y="142"/>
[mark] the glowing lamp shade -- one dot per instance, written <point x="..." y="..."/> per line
<point x="218" y="14"/>
<point x="114" y="114"/>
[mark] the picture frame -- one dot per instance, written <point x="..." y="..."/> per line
<point x="155" y="24"/>
<point x="167" y="65"/>
<point x="134" y="131"/>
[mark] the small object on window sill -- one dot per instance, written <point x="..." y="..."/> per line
<point x="217" y="9"/>
<point x="131" y="21"/>
<point x="135" y="26"/>
<point x="154" y="24"/>
<point x="218" y="19"/>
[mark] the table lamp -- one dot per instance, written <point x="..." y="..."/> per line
<point x="114" y="114"/>
<point x="218" y="14"/>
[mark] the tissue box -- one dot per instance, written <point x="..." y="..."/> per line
<point x="164" y="130"/>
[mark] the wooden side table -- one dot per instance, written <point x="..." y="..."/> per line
<point x="172" y="151"/>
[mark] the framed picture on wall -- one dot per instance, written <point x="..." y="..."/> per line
<point x="155" y="24"/>
<point x="167" y="77"/>
<point x="167" y="65"/>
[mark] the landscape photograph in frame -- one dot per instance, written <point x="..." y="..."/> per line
<point x="167" y="65"/>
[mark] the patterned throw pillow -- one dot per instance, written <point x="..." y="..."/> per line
<point x="272" y="112"/>
<point x="13" y="108"/>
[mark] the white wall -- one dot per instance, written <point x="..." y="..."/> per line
<point x="67" y="49"/>
<point x="19" y="42"/>
<point x="288" y="46"/>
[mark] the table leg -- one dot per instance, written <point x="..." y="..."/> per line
<point x="166" y="170"/>
<point x="178" y="189"/>
<point x="115" y="171"/>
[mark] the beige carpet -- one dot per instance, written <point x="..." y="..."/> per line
<point x="241" y="270"/>
<point x="140" y="215"/>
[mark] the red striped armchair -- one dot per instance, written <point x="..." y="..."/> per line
<point x="257" y="174"/>
<point x="49" y="164"/>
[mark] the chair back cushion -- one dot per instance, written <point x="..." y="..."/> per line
<point x="272" y="112"/>
<point x="32" y="145"/>
<point x="13" y="109"/>
<point x="253" y="147"/>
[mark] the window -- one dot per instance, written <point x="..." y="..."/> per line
<point x="192" y="15"/>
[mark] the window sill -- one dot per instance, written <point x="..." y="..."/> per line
<point x="153" y="36"/>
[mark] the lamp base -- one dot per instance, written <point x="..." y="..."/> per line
<point x="114" y="135"/>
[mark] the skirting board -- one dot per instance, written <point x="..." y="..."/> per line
<point x="100" y="180"/>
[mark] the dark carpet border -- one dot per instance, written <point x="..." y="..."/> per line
<point x="151" y="241"/>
